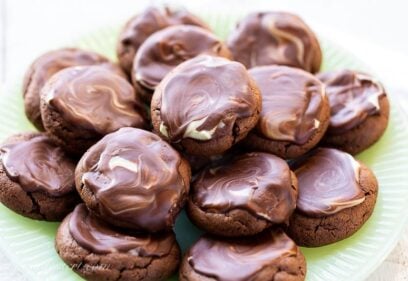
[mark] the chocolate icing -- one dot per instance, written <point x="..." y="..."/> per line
<point x="134" y="176"/>
<point x="217" y="91"/>
<point x="38" y="165"/>
<point x="50" y="63"/>
<point x="275" y="38"/>
<point x="258" y="182"/>
<point x="167" y="48"/>
<point x="240" y="260"/>
<point x="47" y="65"/>
<point x="292" y="102"/>
<point x="328" y="183"/>
<point x="140" y="27"/>
<point x="353" y="96"/>
<point x="94" y="98"/>
<point x="100" y="238"/>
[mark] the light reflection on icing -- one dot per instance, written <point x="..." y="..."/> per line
<point x="258" y="182"/>
<point x="100" y="238"/>
<point x="284" y="37"/>
<point x="217" y="91"/>
<point x="329" y="183"/>
<point x="353" y="96"/>
<point x="169" y="47"/>
<point x="38" y="165"/>
<point x="240" y="260"/>
<point x="292" y="102"/>
<point x="95" y="98"/>
<point x="143" y="25"/>
<point x="148" y="187"/>
<point x="270" y="38"/>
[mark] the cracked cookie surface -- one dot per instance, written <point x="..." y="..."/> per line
<point x="343" y="210"/>
<point x="295" y="111"/>
<point x="35" y="185"/>
<point x="243" y="197"/>
<point x="119" y="256"/>
<point x="215" y="108"/>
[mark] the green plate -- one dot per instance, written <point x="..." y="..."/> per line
<point x="30" y="244"/>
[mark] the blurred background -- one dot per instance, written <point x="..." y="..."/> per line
<point x="374" y="30"/>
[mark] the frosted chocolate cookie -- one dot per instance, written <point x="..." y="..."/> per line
<point x="100" y="252"/>
<point x="141" y="26"/>
<point x="295" y="111"/>
<point x="166" y="49"/>
<point x="271" y="255"/>
<point x="359" y="110"/>
<point x="205" y="105"/>
<point x="244" y="196"/>
<point x="79" y="105"/>
<point x="133" y="179"/>
<point x="282" y="38"/>
<point x="36" y="177"/>
<point x="43" y="68"/>
<point x="337" y="195"/>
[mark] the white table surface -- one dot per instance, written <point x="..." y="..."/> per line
<point x="373" y="30"/>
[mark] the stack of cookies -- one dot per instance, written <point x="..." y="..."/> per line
<point x="246" y="135"/>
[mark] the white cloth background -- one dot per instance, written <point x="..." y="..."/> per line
<point x="374" y="30"/>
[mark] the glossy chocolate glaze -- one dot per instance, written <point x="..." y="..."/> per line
<point x="100" y="238"/>
<point x="260" y="183"/>
<point x="292" y="101"/>
<point x="47" y="65"/>
<point x="38" y="165"/>
<point x="353" y="96"/>
<point x="328" y="182"/>
<point x="94" y="98"/>
<point x="169" y="47"/>
<point x="140" y="27"/>
<point x="134" y="177"/>
<point x="266" y="38"/>
<point x="215" y="93"/>
<point x="240" y="260"/>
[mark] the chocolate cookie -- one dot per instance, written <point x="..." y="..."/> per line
<point x="134" y="179"/>
<point x="243" y="197"/>
<point x="99" y="252"/>
<point x="141" y="26"/>
<point x="275" y="38"/>
<point x="216" y="106"/>
<point x="295" y="111"/>
<point x="337" y="195"/>
<point x="36" y="177"/>
<point x="269" y="256"/>
<point x="166" y="49"/>
<point x="359" y="110"/>
<point x="79" y="105"/>
<point x="43" y="68"/>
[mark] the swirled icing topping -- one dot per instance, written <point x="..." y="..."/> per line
<point x="275" y="38"/>
<point x="47" y="65"/>
<point x="258" y="182"/>
<point x="38" y="165"/>
<point x="134" y="176"/>
<point x="167" y="48"/>
<point x="94" y="98"/>
<point x="240" y="260"/>
<point x="218" y="92"/>
<point x="140" y="27"/>
<point x="353" y="96"/>
<point x="328" y="183"/>
<point x="100" y="238"/>
<point x="292" y="103"/>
